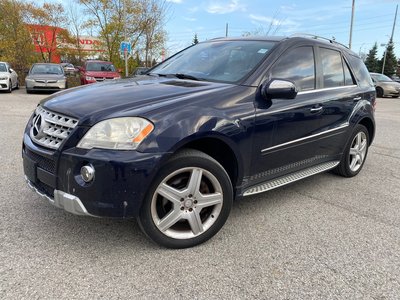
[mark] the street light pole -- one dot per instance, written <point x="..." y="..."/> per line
<point x="351" y="24"/>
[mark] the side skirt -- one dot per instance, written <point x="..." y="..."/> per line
<point x="280" y="181"/>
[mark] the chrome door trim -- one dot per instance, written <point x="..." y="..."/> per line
<point x="344" y="125"/>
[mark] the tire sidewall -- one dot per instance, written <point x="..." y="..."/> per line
<point x="178" y="162"/>
<point x="346" y="157"/>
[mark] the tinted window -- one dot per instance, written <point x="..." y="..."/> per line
<point x="360" y="71"/>
<point x="103" y="67"/>
<point x="297" y="65"/>
<point x="332" y="68"/>
<point x="348" y="78"/>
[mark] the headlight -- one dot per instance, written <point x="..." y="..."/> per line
<point x="90" y="78"/>
<point x="62" y="80"/>
<point x="119" y="133"/>
<point x="28" y="79"/>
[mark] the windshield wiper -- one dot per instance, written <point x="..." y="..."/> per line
<point x="177" y="75"/>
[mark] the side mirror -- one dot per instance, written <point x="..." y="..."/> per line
<point x="279" y="89"/>
<point x="119" y="70"/>
<point x="79" y="68"/>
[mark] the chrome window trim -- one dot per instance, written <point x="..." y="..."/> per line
<point x="344" y="125"/>
<point x="326" y="89"/>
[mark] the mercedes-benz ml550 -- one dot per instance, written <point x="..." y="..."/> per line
<point x="218" y="121"/>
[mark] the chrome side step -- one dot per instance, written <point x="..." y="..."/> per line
<point x="275" y="183"/>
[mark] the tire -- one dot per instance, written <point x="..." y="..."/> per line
<point x="355" y="153"/>
<point x="379" y="92"/>
<point x="188" y="202"/>
<point x="28" y="91"/>
<point x="17" y="86"/>
<point x="9" y="87"/>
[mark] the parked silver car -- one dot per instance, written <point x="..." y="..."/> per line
<point x="45" y="77"/>
<point x="8" y="78"/>
<point x="385" y="86"/>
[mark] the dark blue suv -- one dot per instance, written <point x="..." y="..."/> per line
<point x="218" y="121"/>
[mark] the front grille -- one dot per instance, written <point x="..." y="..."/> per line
<point x="50" y="129"/>
<point x="42" y="162"/>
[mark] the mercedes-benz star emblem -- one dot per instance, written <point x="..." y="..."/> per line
<point x="38" y="126"/>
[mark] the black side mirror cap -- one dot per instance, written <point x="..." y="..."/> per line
<point x="279" y="89"/>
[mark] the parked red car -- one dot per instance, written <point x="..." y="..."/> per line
<point x="98" y="71"/>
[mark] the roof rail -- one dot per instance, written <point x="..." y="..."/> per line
<point x="316" y="37"/>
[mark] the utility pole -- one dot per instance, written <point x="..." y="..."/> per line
<point x="226" y="30"/>
<point x="351" y="24"/>
<point x="390" y="41"/>
<point x="125" y="39"/>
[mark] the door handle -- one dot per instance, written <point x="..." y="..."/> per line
<point x="357" y="98"/>
<point x="316" y="109"/>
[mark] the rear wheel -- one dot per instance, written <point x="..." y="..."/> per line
<point x="379" y="92"/>
<point x="188" y="202"/>
<point x="355" y="153"/>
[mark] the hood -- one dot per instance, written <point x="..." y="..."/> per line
<point x="101" y="74"/>
<point x="46" y="76"/>
<point x="4" y="73"/>
<point x="127" y="97"/>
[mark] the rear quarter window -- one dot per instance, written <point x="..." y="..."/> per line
<point x="360" y="71"/>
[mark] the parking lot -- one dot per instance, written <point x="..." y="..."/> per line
<point x="325" y="237"/>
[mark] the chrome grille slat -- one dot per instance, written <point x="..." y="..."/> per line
<point x="53" y="129"/>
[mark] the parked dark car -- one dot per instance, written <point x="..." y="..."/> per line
<point x="218" y="121"/>
<point x="385" y="87"/>
<point x="45" y="77"/>
<point x="98" y="71"/>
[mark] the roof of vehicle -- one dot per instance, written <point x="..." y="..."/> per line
<point x="51" y="64"/>
<point x="98" y="61"/>
<point x="299" y="36"/>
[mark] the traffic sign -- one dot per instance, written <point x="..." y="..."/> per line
<point x="125" y="46"/>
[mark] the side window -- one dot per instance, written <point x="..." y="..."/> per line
<point x="348" y="78"/>
<point x="332" y="68"/>
<point x="360" y="71"/>
<point x="298" y="66"/>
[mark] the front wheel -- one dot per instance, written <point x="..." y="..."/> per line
<point x="9" y="87"/>
<point x="188" y="202"/>
<point x="355" y="153"/>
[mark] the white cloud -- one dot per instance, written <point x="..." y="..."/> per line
<point x="225" y="7"/>
<point x="175" y="1"/>
<point x="189" y="19"/>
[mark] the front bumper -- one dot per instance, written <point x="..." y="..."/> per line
<point x="43" y="86"/>
<point x="62" y="200"/>
<point x="120" y="184"/>
<point x="4" y="84"/>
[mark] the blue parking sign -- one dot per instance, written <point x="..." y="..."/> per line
<point x="125" y="45"/>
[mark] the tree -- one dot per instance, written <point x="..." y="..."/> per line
<point x="15" y="41"/>
<point x="371" y="62"/>
<point x="390" y="60"/>
<point x="51" y="17"/>
<point x="195" y="39"/>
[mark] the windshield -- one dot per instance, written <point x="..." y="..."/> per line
<point x="381" y="78"/>
<point x="98" y="66"/>
<point x="47" y="69"/>
<point x="224" y="61"/>
<point x="3" y="68"/>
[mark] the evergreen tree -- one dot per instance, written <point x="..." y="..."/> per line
<point x="390" y="61"/>
<point x="371" y="61"/>
<point x="195" y="39"/>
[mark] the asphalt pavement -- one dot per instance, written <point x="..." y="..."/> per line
<point x="325" y="237"/>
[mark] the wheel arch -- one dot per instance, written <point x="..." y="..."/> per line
<point x="220" y="149"/>
<point x="369" y="124"/>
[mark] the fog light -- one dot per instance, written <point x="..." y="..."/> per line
<point x="87" y="173"/>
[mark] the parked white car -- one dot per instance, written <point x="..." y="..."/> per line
<point x="8" y="78"/>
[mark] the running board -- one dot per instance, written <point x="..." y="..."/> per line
<point x="275" y="183"/>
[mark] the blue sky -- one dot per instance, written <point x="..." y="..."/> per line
<point x="373" y="20"/>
